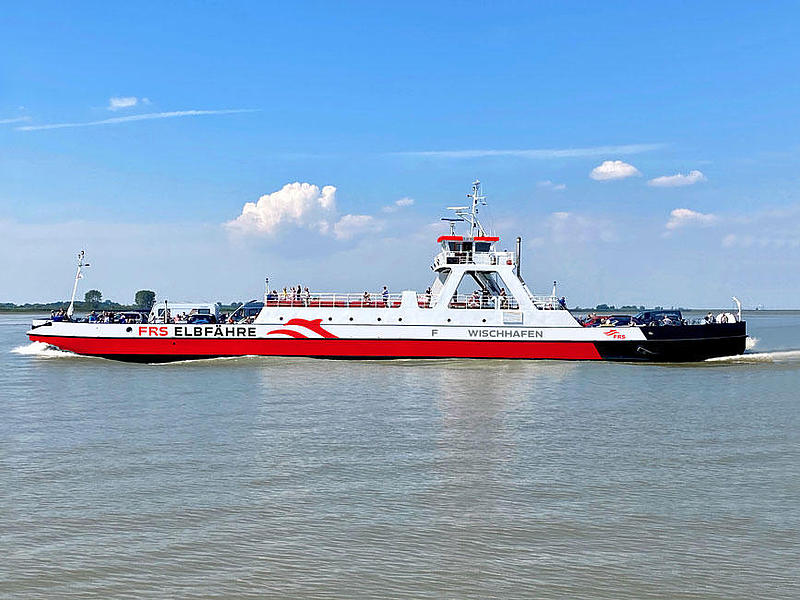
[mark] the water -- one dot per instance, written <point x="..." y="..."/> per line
<point x="271" y="477"/>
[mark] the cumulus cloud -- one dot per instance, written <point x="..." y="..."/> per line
<point x="298" y="204"/>
<point x="678" y="180"/>
<point x="351" y="225"/>
<point x="550" y="185"/>
<point x="681" y="217"/>
<point x="119" y="102"/>
<point x="613" y="169"/>
<point x="402" y="203"/>
<point x="301" y="205"/>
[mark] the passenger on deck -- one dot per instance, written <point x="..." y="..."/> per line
<point x="562" y="302"/>
<point x="709" y="318"/>
<point x="484" y="298"/>
<point x="385" y="295"/>
<point x="306" y="296"/>
<point x="366" y="297"/>
<point x="503" y="298"/>
<point x="474" y="300"/>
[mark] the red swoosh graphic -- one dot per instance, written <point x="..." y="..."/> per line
<point x="289" y="332"/>
<point x="313" y="326"/>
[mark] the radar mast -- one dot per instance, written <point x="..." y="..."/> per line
<point x="469" y="214"/>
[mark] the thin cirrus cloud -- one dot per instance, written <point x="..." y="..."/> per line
<point x="14" y="120"/>
<point x="611" y="170"/>
<point x="551" y="185"/>
<point x="142" y="117"/>
<point x="678" y="180"/>
<point x="536" y="153"/>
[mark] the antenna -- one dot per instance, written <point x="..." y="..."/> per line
<point x="78" y="276"/>
<point x="469" y="214"/>
<point x="452" y="223"/>
<point x="739" y="308"/>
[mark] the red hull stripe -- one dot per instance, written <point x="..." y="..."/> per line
<point x="335" y="348"/>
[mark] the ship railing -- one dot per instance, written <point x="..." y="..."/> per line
<point x="470" y="301"/>
<point x="547" y="303"/>
<point x="473" y="258"/>
<point x="335" y="300"/>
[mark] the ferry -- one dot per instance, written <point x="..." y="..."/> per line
<point x="478" y="306"/>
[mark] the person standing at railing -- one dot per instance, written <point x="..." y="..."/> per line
<point x="385" y="295"/>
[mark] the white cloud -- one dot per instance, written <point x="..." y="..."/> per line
<point x="352" y="225"/>
<point x="402" y="203"/>
<point x="537" y="153"/>
<point x="298" y="204"/>
<point x="118" y="102"/>
<point x="613" y="169"/>
<point x="144" y="117"/>
<point x="549" y="185"/>
<point x="678" y="180"/>
<point x="570" y="228"/>
<point x="14" y="120"/>
<point x="745" y="240"/>
<point x="680" y="217"/>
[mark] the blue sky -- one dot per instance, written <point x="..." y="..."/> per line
<point x="140" y="132"/>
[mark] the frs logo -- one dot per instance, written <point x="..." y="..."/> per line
<point x="157" y="331"/>
<point x="613" y="333"/>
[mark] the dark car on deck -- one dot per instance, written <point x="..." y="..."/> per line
<point x="130" y="317"/>
<point x="201" y="317"/>
<point x="660" y="317"/>
<point x="610" y="321"/>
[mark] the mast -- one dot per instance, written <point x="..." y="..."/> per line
<point x="469" y="214"/>
<point x="78" y="276"/>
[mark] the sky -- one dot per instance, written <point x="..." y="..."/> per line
<point x="647" y="153"/>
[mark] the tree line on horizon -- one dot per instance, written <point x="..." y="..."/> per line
<point x="92" y="300"/>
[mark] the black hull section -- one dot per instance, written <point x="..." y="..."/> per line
<point x="679" y="343"/>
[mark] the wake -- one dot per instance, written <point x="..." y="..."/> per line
<point x="782" y="356"/>
<point x="42" y="349"/>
